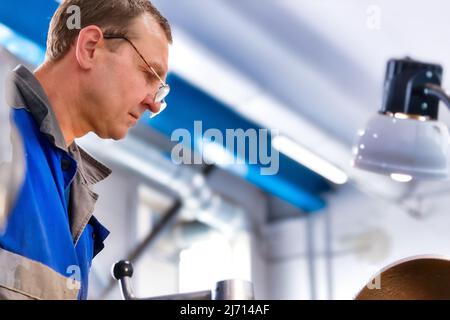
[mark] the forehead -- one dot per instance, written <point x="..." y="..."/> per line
<point x="151" y="41"/>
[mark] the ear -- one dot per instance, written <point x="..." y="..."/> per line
<point x="88" y="42"/>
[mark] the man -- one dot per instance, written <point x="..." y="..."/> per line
<point x="98" y="78"/>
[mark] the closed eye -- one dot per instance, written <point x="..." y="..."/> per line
<point x="149" y="76"/>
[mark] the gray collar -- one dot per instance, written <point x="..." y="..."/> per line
<point x="29" y="94"/>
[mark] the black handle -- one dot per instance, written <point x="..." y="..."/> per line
<point x="122" y="269"/>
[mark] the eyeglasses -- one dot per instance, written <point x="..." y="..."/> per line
<point x="163" y="89"/>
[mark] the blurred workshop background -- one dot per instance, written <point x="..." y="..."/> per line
<point x="312" y="72"/>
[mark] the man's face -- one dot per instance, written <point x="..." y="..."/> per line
<point x="123" y="86"/>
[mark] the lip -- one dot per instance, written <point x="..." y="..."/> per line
<point x="134" y="116"/>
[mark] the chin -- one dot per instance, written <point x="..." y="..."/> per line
<point x="119" y="135"/>
<point x="115" y="135"/>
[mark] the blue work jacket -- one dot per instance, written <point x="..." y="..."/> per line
<point x="51" y="236"/>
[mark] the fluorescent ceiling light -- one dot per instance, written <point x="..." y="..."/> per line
<point x="308" y="159"/>
<point x="217" y="154"/>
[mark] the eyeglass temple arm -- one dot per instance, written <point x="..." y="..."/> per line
<point x="157" y="75"/>
<point x="145" y="61"/>
<point x="106" y="36"/>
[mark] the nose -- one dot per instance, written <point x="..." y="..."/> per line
<point x="150" y="104"/>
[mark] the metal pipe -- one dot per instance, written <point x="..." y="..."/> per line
<point x="126" y="288"/>
<point x="329" y="253"/>
<point x="166" y="220"/>
<point x="311" y="256"/>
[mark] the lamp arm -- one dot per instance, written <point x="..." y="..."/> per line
<point x="436" y="91"/>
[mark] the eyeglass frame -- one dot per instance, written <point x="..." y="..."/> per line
<point x="164" y="88"/>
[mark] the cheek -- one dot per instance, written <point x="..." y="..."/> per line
<point x="123" y="94"/>
<point x="125" y="88"/>
<point x="133" y="85"/>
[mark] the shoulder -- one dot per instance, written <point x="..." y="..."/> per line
<point x="23" y="120"/>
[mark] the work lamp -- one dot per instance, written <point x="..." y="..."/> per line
<point x="405" y="139"/>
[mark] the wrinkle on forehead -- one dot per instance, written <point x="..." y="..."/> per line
<point x="146" y="23"/>
<point x="144" y="27"/>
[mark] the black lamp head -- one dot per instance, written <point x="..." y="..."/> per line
<point x="404" y="88"/>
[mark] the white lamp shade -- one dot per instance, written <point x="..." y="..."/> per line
<point x="407" y="146"/>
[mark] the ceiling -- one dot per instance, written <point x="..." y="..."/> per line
<point x="324" y="60"/>
<point x="313" y="70"/>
